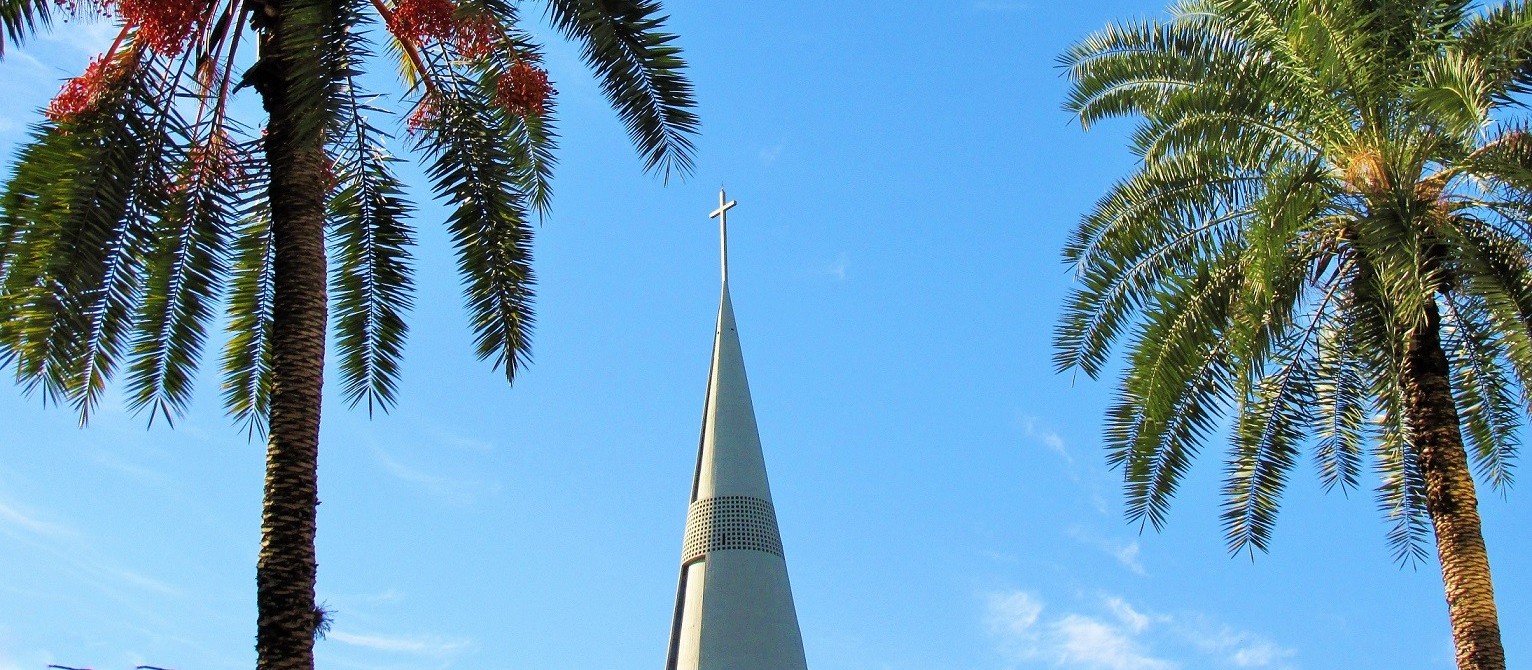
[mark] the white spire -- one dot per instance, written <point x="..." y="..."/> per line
<point x="734" y="605"/>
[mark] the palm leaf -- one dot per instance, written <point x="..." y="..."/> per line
<point x="641" y="72"/>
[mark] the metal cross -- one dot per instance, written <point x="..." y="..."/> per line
<point x="722" y="214"/>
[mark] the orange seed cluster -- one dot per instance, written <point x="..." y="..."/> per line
<point x="83" y="93"/>
<point x="524" y="89"/>
<point x="419" y="21"/>
<point x="165" y="25"/>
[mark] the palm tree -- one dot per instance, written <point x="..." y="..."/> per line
<point x="141" y="205"/>
<point x="1329" y="235"/>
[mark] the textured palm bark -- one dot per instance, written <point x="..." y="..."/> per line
<point x="1451" y="501"/>
<point x="285" y="573"/>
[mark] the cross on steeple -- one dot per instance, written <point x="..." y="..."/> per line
<point x="722" y="214"/>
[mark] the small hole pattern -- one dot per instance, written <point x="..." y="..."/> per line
<point x="730" y="522"/>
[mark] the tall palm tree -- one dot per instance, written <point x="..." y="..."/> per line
<point x="1328" y="234"/>
<point x="141" y="205"/>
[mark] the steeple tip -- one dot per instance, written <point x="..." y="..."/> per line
<point x="722" y="214"/>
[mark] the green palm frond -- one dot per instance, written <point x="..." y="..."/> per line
<point x="185" y="272"/>
<point x="1341" y="396"/>
<point x="74" y="282"/>
<point x="1487" y="399"/>
<point x="322" y="39"/>
<point x="246" y="360"/>
<point x="1270" y="429"/>
<point x="1402" y="491"/>
<point x="641" y="72"/>
<point x="19" y="19"/>
<point x="1165" y="218"/>
<point x="1178" y="381"/>
<point x="1316" y="181"/>
<point x="371" y="278"/>
<point x="1502" y="39"/>
<point x="1454" y="91"/>
<point x="472" y="166"/>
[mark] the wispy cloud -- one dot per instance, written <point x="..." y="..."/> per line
<point x="7" y="662"/>
<point x="134" y="471"/>
<point x="770" y="154"/>
<point x="1126" y="553"/>
<point x="75" y="553"/>
<point x="1072" y="640"/>
<point x="386" y="596"/>
<point x="1049" y="439"/>
<point x="27" y="521"/>
<point x="427" y="645"/>
<point x="998" y="6"/>
<point x="1087" y="472"/>
<point x="1236" y="648"/>
<point x="87" y="37"/>
<point x="837" y="268"/>
<point x="1115" y="635"/>
<point x="458" y="491"/>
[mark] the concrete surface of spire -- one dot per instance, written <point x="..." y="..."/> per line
<point x="734" y="604"/>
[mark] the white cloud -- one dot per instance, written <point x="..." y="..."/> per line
<point x="1113" y="634"/>
<point x="1125" y="553"/>
<point x="838" y="267"/>
<point x="90" y="37"/>
<point x="1073" y="640"/>
<point x="998" y="7"/>
<point x="1087" y="642"/>
<point x="1047" y="438"/>
<point x="1014" y="613"/>
<point x="1240" y="649"/>
<point x="1133" y="619"/>
<point x="1260" y="654"/>
<point x="10" y="516"/>
<point x="78" y="556"/>
<point x="450" y="489"/>
<point x="770" y="154"/>
<point x="403" y="644"/>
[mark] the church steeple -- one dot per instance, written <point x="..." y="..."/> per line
<point x="734" y="605"/>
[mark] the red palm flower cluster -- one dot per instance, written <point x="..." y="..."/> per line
<point x="416" y="21"/>
<point x="165" y="25"/>
<point x="478" y="36"/>
<point x="524" y="89"/>
<point x="83" y="93"/>
<point x="425" y="116"/>
<point x="211" y="161"/>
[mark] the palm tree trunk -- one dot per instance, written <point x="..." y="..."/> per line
<point x="1450" y="499"/>
<point x="285" y="572"/>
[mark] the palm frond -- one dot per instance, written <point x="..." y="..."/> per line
<point x="1501" y="38"/>
<point x="641" y="73"/>
<point x="1177" y="383"/>
<point x="185" y="273"/>
<point x="1272" y="419"/>
<point x="1341" y="395"/>
<point x="246" y="360"/>
<point x="87" y="193"/>
<point x="1486" y="397"/>
<point x="472" y="166"/>
<point x="20" y="19"/>
<point x="371" y="279"/>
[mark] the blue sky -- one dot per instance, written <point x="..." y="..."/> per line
<point x="905" y="180"/>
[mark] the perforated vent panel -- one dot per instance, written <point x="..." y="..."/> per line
<point x="730" y="522"/>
